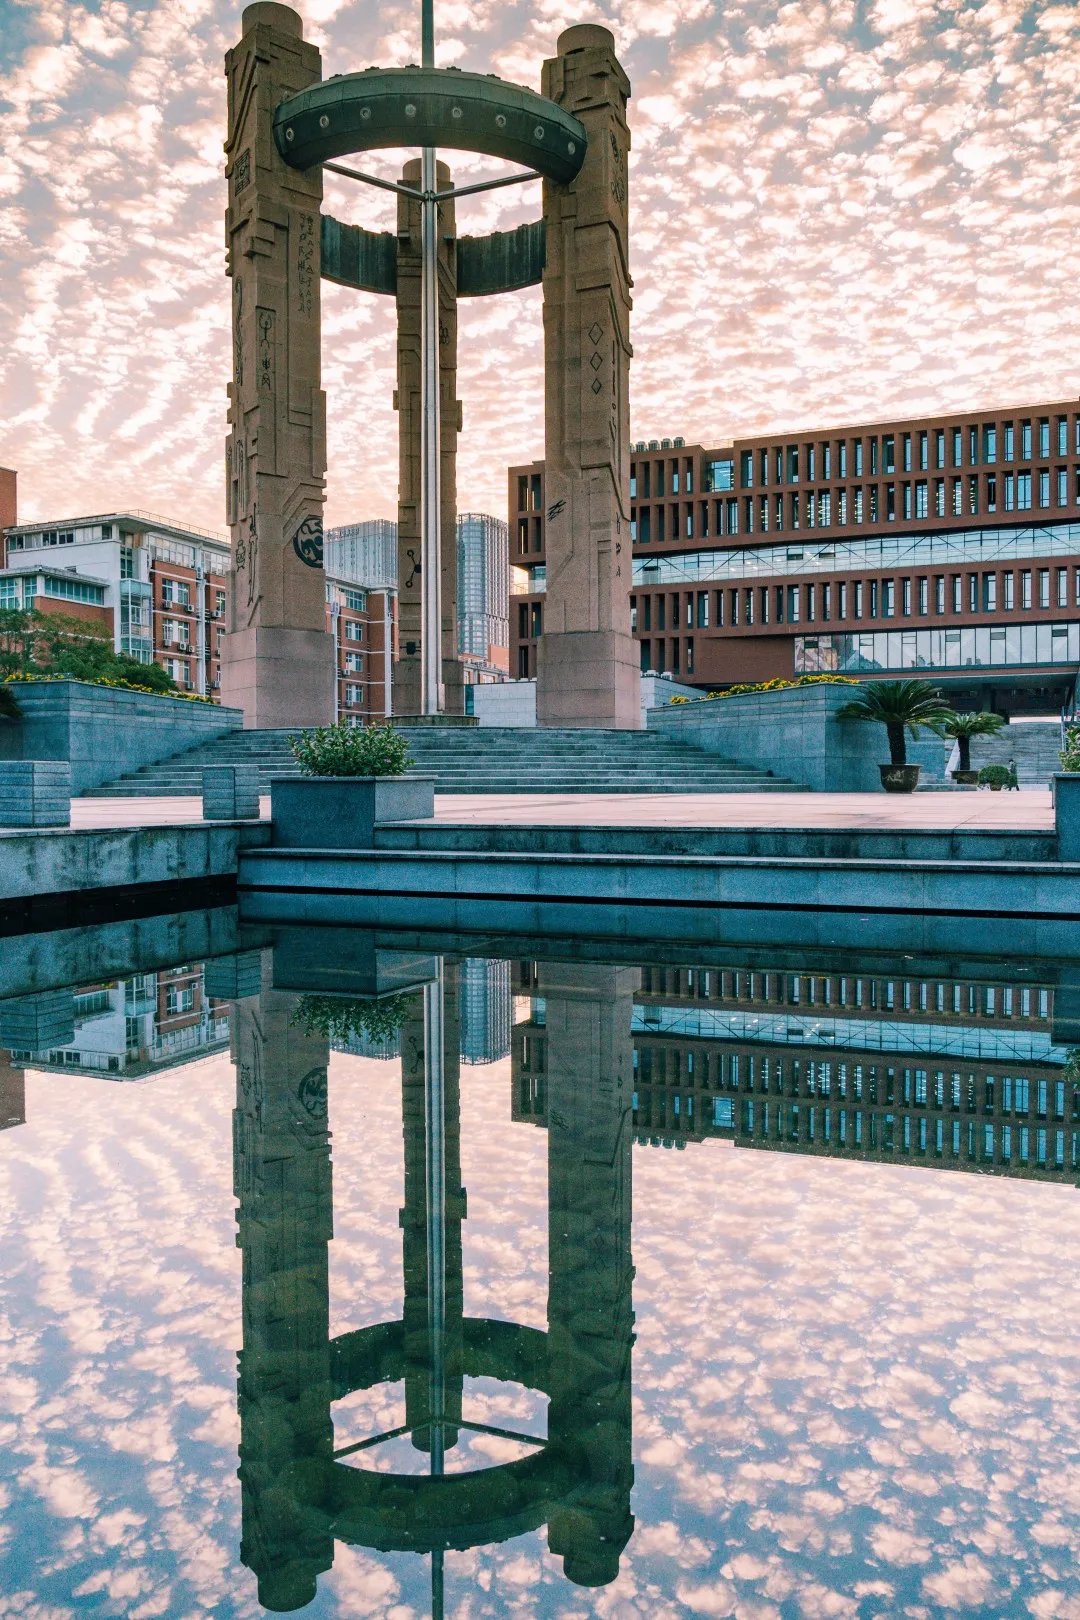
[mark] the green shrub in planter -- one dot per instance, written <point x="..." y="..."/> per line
<point x="344" y="750"/>
<point x="9" y="709"/>
<point x="1070" y="754"/>
<point x="344" y="1019"/>
<point x="995" y="776"/>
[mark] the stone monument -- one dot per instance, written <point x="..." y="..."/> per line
<point x="286" y="125"/>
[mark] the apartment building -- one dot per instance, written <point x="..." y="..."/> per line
<point x="944" y="546"/>
<point x="161" y="590"/>
<point x="483" y="586"/>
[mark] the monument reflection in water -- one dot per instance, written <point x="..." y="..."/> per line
<point x="300" y="1493"/>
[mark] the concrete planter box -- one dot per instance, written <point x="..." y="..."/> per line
<point x="104" y="732"/>
<point x="342" y="812"/>
<point x="35" y="793"/>
<point x="795" y="733"/>
<point x="1065" y="788"/>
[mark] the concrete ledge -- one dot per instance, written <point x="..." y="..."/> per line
<point x="1022" y="889"/>
<point x="36" y="863"/>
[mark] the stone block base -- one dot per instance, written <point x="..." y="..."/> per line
<point x="279" y="677"/>
<point x="342" y="812"/>
<point x="230" y="793"/>
<point x="35" y="793"/>
<point x="588" y="678"/>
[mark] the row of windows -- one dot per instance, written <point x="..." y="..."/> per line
<point x="813" y="601"/>
<point x="942" y="549"/>
<point x="826" y="990"/>
<point x="976" y="647"/>
<point x="907" y="502"/>
<point x="980" y="444"/>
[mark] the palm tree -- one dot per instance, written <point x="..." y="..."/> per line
<point x="900" y="706"/>
<point x="962" y="727"/>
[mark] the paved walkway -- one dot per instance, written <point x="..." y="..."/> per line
<point x="1030" y="808"/>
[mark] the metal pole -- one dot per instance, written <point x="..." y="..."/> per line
<point x="435" y="1176"/>
<point x="433" y="697"/>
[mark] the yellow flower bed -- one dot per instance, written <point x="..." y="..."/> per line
<point x="120" y="686"/>
<point x="777" y="685"/>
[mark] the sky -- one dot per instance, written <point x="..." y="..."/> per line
<point x="841" y="211"/>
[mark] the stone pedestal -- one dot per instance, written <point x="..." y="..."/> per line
<point x="35" y="793"/>
<point x="277" y="658"/>
<point x="407" y="402"/>
<point x="230" y="793"/>
<point x="588" y="662"/>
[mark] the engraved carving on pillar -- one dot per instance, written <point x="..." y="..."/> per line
<point x="276" y="457"/>
<point x="407" y="403"/>
<point x="591" y="677"/>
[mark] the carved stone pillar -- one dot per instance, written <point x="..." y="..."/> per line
<point x="407" y="695"/>
<point x="283" y="1184"/>
<point x="590" y="1082"/>
<point x="588" y="669"/>
<point x="278" y="657"/>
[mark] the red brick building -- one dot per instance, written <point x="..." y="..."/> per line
<point x="941" y="545"/>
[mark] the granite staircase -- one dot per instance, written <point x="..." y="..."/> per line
<point x="482" y="759"/>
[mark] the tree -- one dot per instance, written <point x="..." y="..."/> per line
<point x="962" y="727"/>
<point x="901" y="707"/>
<point x="33" y="643"/>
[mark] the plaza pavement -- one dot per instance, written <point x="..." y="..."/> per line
<point x="1028" y="809"/>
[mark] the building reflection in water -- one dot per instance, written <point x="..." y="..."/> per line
<point x="299" y="1493"/>
<point x="955" y="1073"/>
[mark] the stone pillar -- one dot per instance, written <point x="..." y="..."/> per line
<point x="406" y="679"/>
<point x="278" y="657"/>
<point x="282" y="1181"/>
<point x="413" y="1219"/>
<point x="588" y="664"/>
<point x="590" y="1081"/>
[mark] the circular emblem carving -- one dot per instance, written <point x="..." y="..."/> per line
<point x="312" y="1093"/>
<point x="308" y="542"/>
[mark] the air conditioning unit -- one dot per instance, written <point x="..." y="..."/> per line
<point x="666" y="675"/>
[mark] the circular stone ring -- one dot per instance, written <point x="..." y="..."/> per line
<point x="468" y="112"/>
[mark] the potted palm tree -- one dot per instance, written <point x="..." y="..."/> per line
<point x="352" y="779"/>
<point x="901" y="707"/>
<point x="960" y="728"/>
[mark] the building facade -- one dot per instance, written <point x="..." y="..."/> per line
<point x="483" y="562"/>
<point x="941" y="546"/>
<point x="363" y="554"/>
<point x="161" y="590"/>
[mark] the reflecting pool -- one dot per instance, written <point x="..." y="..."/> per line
<point x="371" y="1275"/>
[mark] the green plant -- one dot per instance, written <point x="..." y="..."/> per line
<point x="962" y="727"/>
<point x="9" y="709"/>
<point x="104" y="680"/>
<point x="1070" y="754"/>
<point x="343" y="1019"/>
<point x="344" y="750"/>
<point x="995" y="776"/>
<point x="744" y="689"/>
<point x="901" y="707"/>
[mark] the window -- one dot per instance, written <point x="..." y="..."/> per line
<point x="793" y="464"/>
<point x="939" y="497"/>
<point x="1025" y="587"/>
<point x="175" y="592"/>
<point x="179" y="998"/>
<point x="793" y="604"/>
<point x="939" y="593"/>
<point x="811" y="463"/>
<point x="354" y="663"/>
<point x="858" y="599"/>
<point x="1010" y="491"/>
<point x="1008" y="592"/>
<point x="906" y="495"/>
<point x="841" y="458"/>
<point x="1044" y="486"/>
<point x="989" y="593"/>
<point x="354" y="693"/>
<point x="1063" y="587"/>
<point x="957" y="594"/>
<point x="1023" y="492"/>
<point x="1025" y="441"/>
<point x="939" y="447"/>
<point x="958" y="497"/>
<point x="1010" y="441"/>
<point x="957" y="448"/>
<point x="905" y="606"/>
<point x="924" y="451"/>
<point x="1062" y="436"/>
<point x="175" y="633"/>
<point x="746" y="470"/>
<point x="763" y="465"/>
<point x="1062" y="487"/>
<point x="989" y="438"/>
<point x="633" y="486"/>
<point x="906" y="449"/>
<point x="924" y="594"/>
<point x="353" y="630"/>
<point x="859" y="458"/>
<point x="357" y="600"/>
<point x="1044" y="435"/>
<point x="841" y="600"/>
<point x="973" y="495"/>
<point x="1044" y="587"/>
<point x="922" y="507"/>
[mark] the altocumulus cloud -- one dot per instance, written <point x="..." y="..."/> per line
<point x="840" y="211"/>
